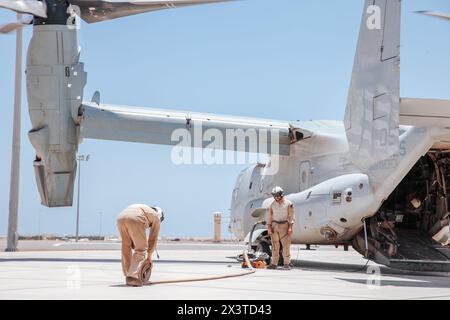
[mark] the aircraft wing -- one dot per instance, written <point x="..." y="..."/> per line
<point x="425" y="112"/>
<point x="188" y="129"/>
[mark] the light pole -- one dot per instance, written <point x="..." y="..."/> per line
<point x="39" y="225"/>
<point x="100" y="231"/>
<point x="15" y="158"/>
<point x="79" y="158"/>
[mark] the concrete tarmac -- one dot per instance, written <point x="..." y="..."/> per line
<point x="58" y="270"/>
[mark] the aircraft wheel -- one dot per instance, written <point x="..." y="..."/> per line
<point x="266" y="248"/>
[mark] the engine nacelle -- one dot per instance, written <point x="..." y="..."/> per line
<point x="55" y="82"/>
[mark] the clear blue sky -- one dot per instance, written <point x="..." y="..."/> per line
<point x="281" y="59"/>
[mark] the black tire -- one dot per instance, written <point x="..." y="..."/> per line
<point x="264" y="247"/>
<point x="267" y="248"/>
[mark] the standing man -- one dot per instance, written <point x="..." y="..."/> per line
<point x="132" y="224"/>
<point x="280" y="221"/>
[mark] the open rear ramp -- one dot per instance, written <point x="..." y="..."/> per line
<point x="418" y="252"/>
<point x="415" y="251"/>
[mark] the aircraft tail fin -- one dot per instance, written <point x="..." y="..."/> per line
<point x="372" y="113"/>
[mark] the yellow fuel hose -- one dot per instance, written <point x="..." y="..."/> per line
<point x="240" y="274"/>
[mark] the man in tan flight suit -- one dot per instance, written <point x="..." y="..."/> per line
<point x="132" y="224"/>
<point x="280" y="220"/>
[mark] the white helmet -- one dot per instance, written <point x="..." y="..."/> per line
<point x="159" y="213"/>
<point x="278" y="191"/>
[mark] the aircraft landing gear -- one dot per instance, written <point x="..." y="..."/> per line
<point x="263" y="245"/>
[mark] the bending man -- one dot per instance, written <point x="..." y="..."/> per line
<point x="132" y="224"/>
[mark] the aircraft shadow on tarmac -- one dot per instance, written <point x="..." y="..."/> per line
<point x="418" y="283"/>
<point x="412" y="279"/>
<point x="359" y="268"/>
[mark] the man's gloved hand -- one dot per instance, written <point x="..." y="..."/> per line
<point x="290" y="231"/>
<point x="270" y="231"/>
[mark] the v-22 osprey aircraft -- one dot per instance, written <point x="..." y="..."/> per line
<point x="378" y="181"/>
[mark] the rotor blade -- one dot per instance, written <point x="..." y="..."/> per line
<point x="34" y="7"/>
<point x="96" y="11"/>
<point x="12" y="26"/>
<point x="435" y="14"/>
